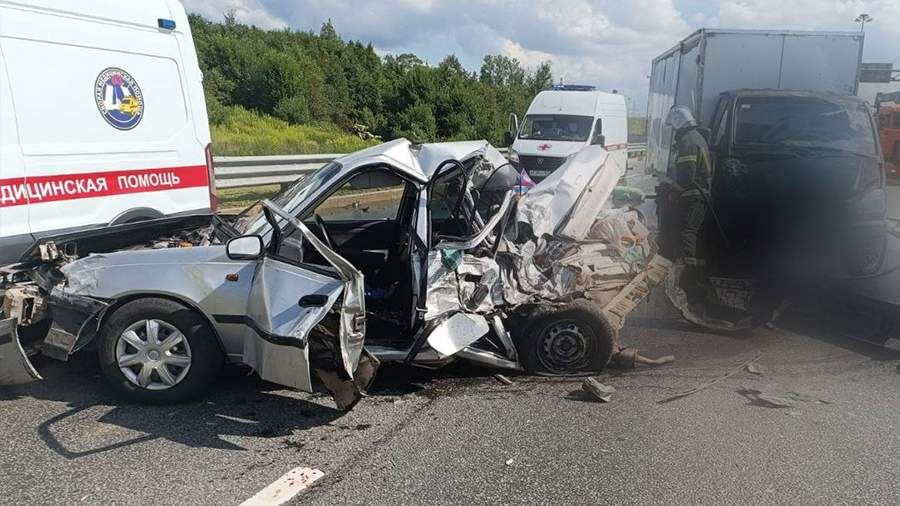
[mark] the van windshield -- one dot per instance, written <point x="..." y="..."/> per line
<point x="556" y="127"/>
<point x="805" y="122"/>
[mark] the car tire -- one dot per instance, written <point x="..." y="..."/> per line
<point x="180" y="368"/>
<point x="573" y="339"/>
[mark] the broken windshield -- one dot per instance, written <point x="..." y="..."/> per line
<point x="556" y="127"/>
<point x="804" y="122"/>
<point x="251" y="219"/>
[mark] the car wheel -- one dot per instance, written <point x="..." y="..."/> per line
<point x="157" y="351"/>
<point x="572" y="339"/>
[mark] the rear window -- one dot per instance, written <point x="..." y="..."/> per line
<point x="556" y="127"/>
<point x="804" y="122"/>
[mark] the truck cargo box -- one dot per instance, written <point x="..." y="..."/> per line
<point x="712" y="61"/>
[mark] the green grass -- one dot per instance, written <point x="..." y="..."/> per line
<point x="637" y="126"/>
<point x="239" y="198"/>
<point x="248" y="133"/>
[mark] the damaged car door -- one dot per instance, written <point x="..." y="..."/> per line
<point x="289" y="299"/>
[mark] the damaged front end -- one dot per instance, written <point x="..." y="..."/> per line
<point x="560" y="246"/>
<point x="48" y="305"/>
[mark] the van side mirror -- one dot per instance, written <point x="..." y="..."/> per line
<point x="512" y="129"/>
<point x="245" y="247"/>
<point x="598" y="140"/>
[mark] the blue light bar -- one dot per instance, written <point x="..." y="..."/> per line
<point x="166" y="24"/>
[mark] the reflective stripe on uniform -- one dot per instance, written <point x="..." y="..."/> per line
<point x="687" y="159"/>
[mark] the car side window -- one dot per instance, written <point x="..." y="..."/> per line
<point x="368" y="196"/>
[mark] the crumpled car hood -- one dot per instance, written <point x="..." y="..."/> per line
<point x="567" y="202"/>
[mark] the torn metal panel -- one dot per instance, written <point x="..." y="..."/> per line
<point x="488" y="358"/>
<point x="15" y="368"/>
<point x="567" y="202"/>
<point x="24" y="303"/>
<point x="457" y="332"/>
<point x="628" y="298"/>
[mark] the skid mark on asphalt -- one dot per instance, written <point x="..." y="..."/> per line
<point x="285" y="488"/>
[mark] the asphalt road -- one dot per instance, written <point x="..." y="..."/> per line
<point x="461" y="436"/>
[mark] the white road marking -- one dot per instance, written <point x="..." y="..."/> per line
<point x="283" y="489"/>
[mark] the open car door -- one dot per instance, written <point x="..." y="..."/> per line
<point x="287" y="301"/>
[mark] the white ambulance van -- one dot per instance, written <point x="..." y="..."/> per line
<point x="564" y="119"/>
<point x="102" y="117"/>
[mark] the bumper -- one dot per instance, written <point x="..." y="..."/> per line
<point x="15" y="368"/>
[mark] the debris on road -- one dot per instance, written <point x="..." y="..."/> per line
<point x="503" y="379"/>
<point x="754" y="368"/>
<point x="708" y="384"/>
<point x="602" y="392"/>
<point x="773" y="398"/>
<point x="509" y="462"/>
<point x="629" y="358"/>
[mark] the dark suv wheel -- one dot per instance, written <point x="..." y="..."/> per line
<point x="157" y="351"/>
<point x="573" y="339"/>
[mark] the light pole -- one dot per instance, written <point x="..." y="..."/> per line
<point x="862" y="19"/>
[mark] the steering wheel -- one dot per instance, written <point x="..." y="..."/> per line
<point x="325" y="235"/>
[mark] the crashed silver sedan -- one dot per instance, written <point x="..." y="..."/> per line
<point x="416" y="253"/>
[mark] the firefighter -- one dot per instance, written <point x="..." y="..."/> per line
<point x="690" y="175"/>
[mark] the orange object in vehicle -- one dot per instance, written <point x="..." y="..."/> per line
<point x="889" y="133"/>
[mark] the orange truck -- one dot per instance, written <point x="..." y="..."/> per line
<point x="887" y="106"/>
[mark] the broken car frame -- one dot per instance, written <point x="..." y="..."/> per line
<point x="466" y="269"/>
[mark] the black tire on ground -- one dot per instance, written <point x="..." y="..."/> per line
<point x="569" y="340"/>
<point x="206" y="357"/>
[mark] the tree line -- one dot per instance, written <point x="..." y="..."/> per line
<point x="307" y="78"/>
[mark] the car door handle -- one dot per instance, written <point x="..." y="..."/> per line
<point x="314" y="300"/>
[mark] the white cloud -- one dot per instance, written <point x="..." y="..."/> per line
<point x="608" y="43"/>
<point x="249" y="12"/>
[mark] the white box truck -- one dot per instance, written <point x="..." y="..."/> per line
<point x="102" y="117"/>
<point x="710" y="62"/>
<point x="564" y="119"/>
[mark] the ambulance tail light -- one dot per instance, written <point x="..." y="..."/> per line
<point x="211" y="173"/>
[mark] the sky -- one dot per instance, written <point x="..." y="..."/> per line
<point x="607" y="43"/>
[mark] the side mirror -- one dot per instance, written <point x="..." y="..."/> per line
<point x="245" y="247"/>
<point x="598" y="140"/>
<point x="512" y="128"/>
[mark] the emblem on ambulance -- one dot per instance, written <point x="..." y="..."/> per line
<point x="119" y="98"/>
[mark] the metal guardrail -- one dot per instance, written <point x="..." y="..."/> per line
<point x="235" y="171"/>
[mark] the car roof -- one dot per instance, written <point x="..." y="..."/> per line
<point x="419" y="161"/>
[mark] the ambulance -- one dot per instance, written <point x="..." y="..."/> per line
<point x="563" y="120"/>
<point x="102" y="118"/>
